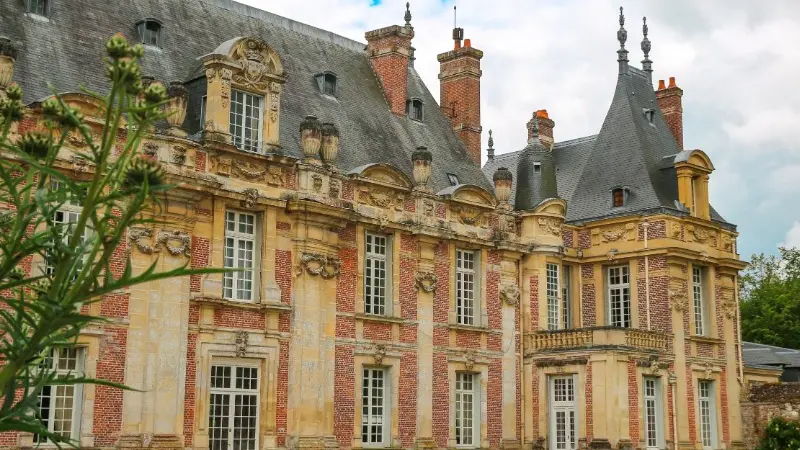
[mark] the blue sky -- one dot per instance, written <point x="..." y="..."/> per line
<point x="736" y="60"/>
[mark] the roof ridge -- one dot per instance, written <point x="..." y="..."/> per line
<point x="288" y="24"/>
<point x="575" y="140"/>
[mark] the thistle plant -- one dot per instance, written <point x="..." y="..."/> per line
<point x="51" y="266"/>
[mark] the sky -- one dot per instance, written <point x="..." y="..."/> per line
<point x="737" y="62"/>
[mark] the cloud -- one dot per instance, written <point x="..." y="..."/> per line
<point x="792" y="238"/>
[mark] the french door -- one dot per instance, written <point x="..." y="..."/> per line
<point x="563" y="413"/>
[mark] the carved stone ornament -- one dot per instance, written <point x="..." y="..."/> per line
<point x="241" y="343"/>
<point x="79" y="163"/>
<point x="675" y="230"/>
<point x="728" y="302"/>
<point x="315" y="264"/>
<point x="178" y="155"/>
<point x="510" y="224"/>
<point x="335" y="189"/>
<point x="613" y="234"/>
<point x="150" y="149"/>
<point x="468" y="215"/>
<point x="510" y="293"/>
<point x="225" y="75"/>
<point x="708" y="371"/>
<point x="256" y="63"/>
<point x="248" y="171"/>
<point x="700" y="234"/>
<point x="176" y="242"/>
<point x="426" y="281"/>
<point x="250" y="198"/>
<point x="469" y="361"/>
<point x="136" y="235"/>
<point x="382" y="198"/>
<point x="380" y="352"/>
<point x="76" y="140"/>
<point x="428" y="208"/>
<point x="316" y="183"/>
<point x="221" y="165"/>
<point x="275" y="176"/>
<point x="679" y="300"/>
<point x="727" y="242"/>
<point x="550" y="225"/>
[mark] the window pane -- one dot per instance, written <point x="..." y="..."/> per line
<point x="373" y="411"/>
<point x="245" y="121"/>
<point x="553" y="313"/>
<point x="697" y="295"/>
<point x="619" y="302"/>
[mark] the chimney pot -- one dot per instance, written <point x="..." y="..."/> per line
<point x="672" y="82"/>
<point x="467" y="43"/>
<point x="661" y="85"/>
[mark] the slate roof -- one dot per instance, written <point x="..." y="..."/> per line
<point x="758" y="355"/>
<point x="67" y="51"/>
<point x="629" y="151"/>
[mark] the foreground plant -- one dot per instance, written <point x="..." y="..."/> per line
<point x="59" y="236"/>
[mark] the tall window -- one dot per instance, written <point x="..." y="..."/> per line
<point x="150" y="32"/>
<point x="233" y="408"/>
<point x="38" y="7"/>
<point x="466" y="305"/>
<point x="414" y="109"/>
<point x="65" y="219"/>
<point x="240" y="253"/>
<point x="619" y="296"/>
<point x="563" y="413"/>
<point x="59" y="405"/>
<point x="374" y="407"/>
<point x="566" y="296"/>
<point x="708" y="431"/>
<point x="246" y="114"/>
<point x="653" y="411"/>
<point x="553" y="306"/>
<point x="697" y="295"/>
<point x="375" y="273"/>
<point x="466" y="412"/>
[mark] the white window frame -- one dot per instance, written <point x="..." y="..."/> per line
<point x="621" y="288"/>
<point x="566" y="403"/>
<point x="652" y="396"/>
<point x="58" y="360"/>
<point x="238" y="130"/>
<point x="232" y="392"/>
<point x="70" y="212"/>
<point x="234" y="283"/>
<point x="376" y="260"/>
<point x="375" y="392"/>
<point x="467" y="392"/>
<point x="698" y="297"/>
<point x="468" y="304"/>
<point x="706" y="410"/>
<point x="566" y="296"/>
<point x="552" y="287"/>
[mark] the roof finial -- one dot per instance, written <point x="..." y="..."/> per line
<point x="622" y="36"/>
<point x="490" y="150"/>
<point x="408" y="14"/>
<point x="647" y="64"/>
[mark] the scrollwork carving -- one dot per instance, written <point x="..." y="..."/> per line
<point x="550" y="225"/>
<point x="250" y="198"/>
<point x="469" y="361"/>
<point x="275" y="176"/>
<point x="379" y="354"/>
<point x="426" y="281"/>
<point x="700" y="234"/>
<point x="510" y="293"/>
<point x="248" y="171"/>
<point x="613" y="234"/>
<point x="316" y="264"/>
<point x="679" y="300"/>
<point x="164" y="238"/>
<point x="136" y="235"/>
<point x="242" y="338"/>
<point x="178" y="155"/>
<point x="468" y="215"/>
<point x="256" y="64"/>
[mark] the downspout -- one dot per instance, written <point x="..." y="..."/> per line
<point x="646" y="225"/>
<point x="673" y="384"/>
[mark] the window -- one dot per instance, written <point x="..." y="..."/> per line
<point x="414" y="109"/>
<point x="618" y="197"/>
<point x="653" y="414"/>
<point x="246" y="117"/>
<point x="649" y="114"/>
<point x="566" y="296"/>
<point x="240" y="253"/>
<point x="376" y="273"/>
<point x="327" y="83"/>
<point x="537" y="167"/>
<point x="553" y="306"/>
<point x="65" y="218"/>
<point x="708" y="423"/>
<point x="150" y="32"/>
<point x="697" y="296"/>
<point x="466" y="287"/>
<point x="453" y="179"/>
<point x="374" y="407"/>
<point x="467" y="416"/>
<point x="59" y="405"/>
<point x="619" y="297"/>
<point x="233" y="408"/>
<point x="563" y="413"/>
<point x="38" y="7"/>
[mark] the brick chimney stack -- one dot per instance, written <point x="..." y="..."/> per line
<point x="460" y="92"/>
<point x="390" y="51"/>
<point x="669" y="100"/>
<point x="546" y="125"/>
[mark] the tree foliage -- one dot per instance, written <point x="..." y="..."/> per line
<point x="780" y="434"/>
<point x="770" y="293"/>
<point x="52" y="265"/>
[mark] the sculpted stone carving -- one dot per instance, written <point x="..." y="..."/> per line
<point x="550" y="225"/>
<point x="250" y="198"/>
<point x="256" y="63"/>
<point x="241" y="343"/>
<point x="76" y="140"/>
<point x="248" y="171"/>
<point x="165" y="238"/>
<point x="382" y="198"/>
<point x="426" y="281"/>
<point x="708" y="371"/>
<point x="613" y="234"/>
<point x="728" y="302"/>
<point x="316" y="264"/>
<point x="150" y="149"/>
<point x="225" y="75"/>
<point x="316" y="182"/>
<point x="79" y="163"/>
<point x="178" y="155"/>
<point x="275" y="176"/>
<point x="380" y="352"/>
<point x="678" y="299"/>
<point x="469" y="361"/>
<point x="468" y="215"/>
<point x="701" y="234"/>
<point x="428" y="208"/>
<point x="675" y="230"/>
<point x="510" y="293"/>
<point x="221" y="165"/>
<point x="727" y="242"/>
<point x="335" y="188"/>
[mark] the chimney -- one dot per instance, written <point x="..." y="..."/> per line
<point x="460" y="92"/>
<point x="390" y="52"/>
<point x="669" y="100"/>
<point x="546" y="125"/>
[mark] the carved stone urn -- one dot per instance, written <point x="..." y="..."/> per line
<point x="310" y="136"/>
<point x="330" y="142"/>
<point x="422" y="159"/>
<point x="502" y="184"/>
<point x="8" y="54"/>
<point x="175" y="108"/>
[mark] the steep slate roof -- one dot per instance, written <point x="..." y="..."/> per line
<point x="629" y="151"/>
<point x="68" y="49"/>
<point x="756" y="355"/>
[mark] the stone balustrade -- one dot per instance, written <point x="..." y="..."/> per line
<point x="595" y="337"/>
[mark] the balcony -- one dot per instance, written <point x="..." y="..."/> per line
<point x="596" y="337"/>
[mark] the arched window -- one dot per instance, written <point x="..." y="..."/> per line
<point x="414" y="109"/>
<point x="327" y="83"/>
<point x="150" y="32"/>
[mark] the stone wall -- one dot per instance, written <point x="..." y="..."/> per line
<point x="763" y="402"/>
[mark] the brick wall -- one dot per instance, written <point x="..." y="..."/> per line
<point x="494" y="403"/>
<point x="108" y="400"/>
<point x="633" y="402"/>
<point x="534" y="301"/>
<point x="282" y="394"/>
<point x="190" y="390"/>
<point x="391" y="66"/>
<point x="201" y="248"/>
<point x="200" y="161"/>
<point x="588" y="301"/>
<point x="670" y="103"/>
<point x="233" y="317"/>
<point x="283" y="278"/>
<point x="409" y="246"/>
<point x="115" y="306"/>
<point x="535" y="402"/>
<point x="378" y="331"/>
<point x="407" y="392"/>
<point x="494" y="306"/>
<point x="441" y="299"/>
<point x="762" y="403"/>
<point x="460" y="96"/>
<point x="660" y="310"/>
<point x="343" y="398"/>
<point x="589" y="403"/>
<point x="441" y="398"/>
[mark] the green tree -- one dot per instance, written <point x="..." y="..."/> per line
<point x="780" y="434"/>
<point x="770" y="299"/>
<point x="51" y="263"/>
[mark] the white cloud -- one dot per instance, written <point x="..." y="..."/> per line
<point x="792" y="238"/>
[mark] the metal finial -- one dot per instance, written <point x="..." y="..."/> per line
<point x="408" y="14"/>
<point x="645" y="41"/>
<point x="622" y="34"/>
<point x="491" y="140"/>
<point x="490" y="150"/>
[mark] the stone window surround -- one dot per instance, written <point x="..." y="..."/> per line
<point x="393" y="273"/>
<point x="480" y="367"/>
<point x="481" y="314"/>
<point x="365" y="357"/>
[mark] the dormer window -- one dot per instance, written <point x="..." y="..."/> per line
<point x="453" y="179"/>
<point x="414" y="109"/>
<point x="149" y="32"/>
<point x="327" y="83"/>
<point x="649" y="114"/>
<point x="537" y="167"/>
<point x="619" y="197"/>
<point x="38" y="7"/>
<point x="246" y="116"/>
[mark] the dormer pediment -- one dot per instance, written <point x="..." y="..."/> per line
<point x="382" y="174"/>
<point x="469" y="194"/>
